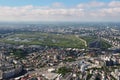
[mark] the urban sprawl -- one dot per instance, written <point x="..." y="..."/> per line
<point x="60" y="51"/>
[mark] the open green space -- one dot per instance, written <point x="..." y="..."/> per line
<point x="103" y="43"/>
<point x="89" y="39"/>
<point x="47" y="39"/>
<point x="63" y="70"/>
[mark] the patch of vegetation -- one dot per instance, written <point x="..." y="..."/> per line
<point x="63" y="70"/>
<point x="19" y="53"/>
<point x="49" y="39"/>
<point x="89" y="76"/>
<point x="94" y="41"/>
<point x="89" y="39"/>
<point x="70" y="60"/>
<point x="105" y="44"/>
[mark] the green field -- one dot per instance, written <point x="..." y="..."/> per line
<point x="49" y="39"/>
<point x="90" y="39"/>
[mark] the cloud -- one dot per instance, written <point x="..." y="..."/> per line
<point x="38" y="13"/>
<point x="101" y="11"/>
<point x="57" y="4"/>
<point x="91" y="4"/>
<point x="114" y="4"/>
<point x="91" y="11"/>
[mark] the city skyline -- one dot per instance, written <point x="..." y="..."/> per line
<point x="60" y="10"/>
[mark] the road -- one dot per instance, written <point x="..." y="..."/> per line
<point x="82" y="40"/>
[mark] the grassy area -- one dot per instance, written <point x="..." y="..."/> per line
<point x="89" y="76"/>
<point x="19" y="53"/>
<point x="70" y="60"/>
<point x="48" y="39"/>
<point x="89" y="39"/>
<point x="104" y="44"/>
<point x="63" y="70"/>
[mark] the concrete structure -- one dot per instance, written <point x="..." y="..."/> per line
<point x="9" y="67"/>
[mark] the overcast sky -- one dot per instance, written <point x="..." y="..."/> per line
<point x="60" y="10"/>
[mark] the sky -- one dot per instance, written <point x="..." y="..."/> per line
<point x="60" y="10"/>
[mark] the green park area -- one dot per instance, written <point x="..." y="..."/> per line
<point x="95" y="41"/>
<point x="51" y="39"/>
<point x="45" y="39"/>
